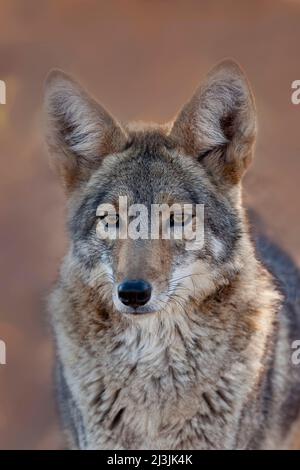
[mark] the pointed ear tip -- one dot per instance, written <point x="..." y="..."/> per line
<point x="56" y="76"/>
<point x="229" y="66"/>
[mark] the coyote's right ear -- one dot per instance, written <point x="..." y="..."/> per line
<point x="79" y="132"/>
<point x="218" y="125"/>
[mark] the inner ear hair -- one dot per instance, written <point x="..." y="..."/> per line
<point x="79" y="131"/>
<point x="218" y="125"/>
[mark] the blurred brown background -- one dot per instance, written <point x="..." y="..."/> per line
<point x="142" y="59"/>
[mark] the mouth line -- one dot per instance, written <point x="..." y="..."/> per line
<point x="138" y="313"/>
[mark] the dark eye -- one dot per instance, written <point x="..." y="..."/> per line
<point x="110" y="220"/>
<point x="179" y="218"/>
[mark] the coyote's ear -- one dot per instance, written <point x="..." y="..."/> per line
<point x="79" y="132"/>
<point x="218" y="125"/>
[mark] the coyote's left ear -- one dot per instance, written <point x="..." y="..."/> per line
<point x="218" y="125"/>
<point x="80" y="132"/>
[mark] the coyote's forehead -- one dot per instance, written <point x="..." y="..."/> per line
<point x="152" y="170"/>
<point x="149" y="170"/>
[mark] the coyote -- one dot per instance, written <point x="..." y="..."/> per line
<point x="157" y="346"/>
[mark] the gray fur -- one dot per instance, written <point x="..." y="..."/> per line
<point x="210" y="367"/>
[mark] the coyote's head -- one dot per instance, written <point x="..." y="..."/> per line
<point x="197" y="160"/>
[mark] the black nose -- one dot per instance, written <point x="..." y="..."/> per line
<point x="134" y="293"/>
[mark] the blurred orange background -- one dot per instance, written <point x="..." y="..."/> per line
<point x="142" y="59"/>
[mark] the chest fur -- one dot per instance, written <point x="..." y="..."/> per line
<point x="158" y="394"/>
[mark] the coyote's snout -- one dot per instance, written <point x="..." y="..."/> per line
<point x="134" y="292"/>
<point x="170" y="333"/>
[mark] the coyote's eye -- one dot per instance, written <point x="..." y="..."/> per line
<point x="111" y="220"/>
<point x="179" y="218"/>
